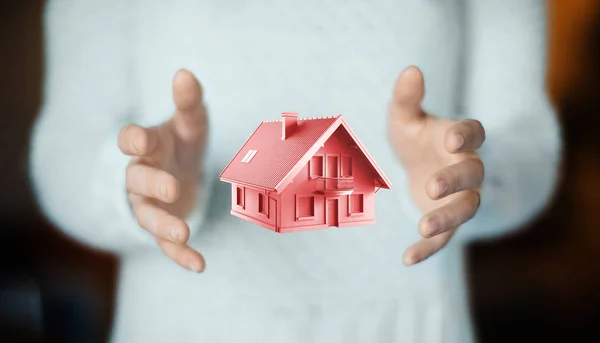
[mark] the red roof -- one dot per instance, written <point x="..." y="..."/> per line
<point x="274" y="162"/>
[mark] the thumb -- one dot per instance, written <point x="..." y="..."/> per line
<point x="190" y="118"/>
<point x="408" y="95"/>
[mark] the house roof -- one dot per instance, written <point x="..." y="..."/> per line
<point x="268" y="162"/>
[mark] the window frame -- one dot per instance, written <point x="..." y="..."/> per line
<point x="351" y="213"/>
<point x="297" y="207"/>
<point x="240" y="204"/>
<point x="263" y="201"/>
<point x="345" y="167"/>
<point x="310" y="166"/>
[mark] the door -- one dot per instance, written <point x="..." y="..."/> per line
<point x="331" y="212"/>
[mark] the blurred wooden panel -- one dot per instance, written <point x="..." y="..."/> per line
<point x="77" y="285"/>
<point x="542" y="285"/>
<point x="570" y="21"/>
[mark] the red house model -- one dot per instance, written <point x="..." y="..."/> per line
<point x="304" y="174"/>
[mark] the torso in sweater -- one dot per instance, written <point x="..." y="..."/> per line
<point x="256" y="59"/>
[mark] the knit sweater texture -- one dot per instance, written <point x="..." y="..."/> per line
<point x="111" y="62"/>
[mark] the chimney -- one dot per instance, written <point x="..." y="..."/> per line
<point x="289" y="121"/>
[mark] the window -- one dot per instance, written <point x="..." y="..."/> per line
<point x="240" y="196"/>
<point x="263" y="204"/>
<point x="305" y="207"/>
<point x="356" y="204"/>
<point x="316" y="166"/>
<point x="346" y="166"/>
<point x="249" y="156"/>
<point x="333" y="166"/>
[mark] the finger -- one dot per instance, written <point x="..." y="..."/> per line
<point x="450" y="216"/>
<point x="458" y="177"/>
<point x="135" y="140"/>
<point x="425" y="248"/>
<point x="159" y="222"/>
<point x="190" y="117"/>
<point x="183" y="255"/>
<point x="408" y="95"/>
<point x="466" y="135"/>
<point x="151" y="182"/>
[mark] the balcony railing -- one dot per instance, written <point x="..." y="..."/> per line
<point x="335" y="184"/>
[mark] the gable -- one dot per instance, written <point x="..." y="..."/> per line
<point x="379" y="177"/>
<point x="269" y="162"/>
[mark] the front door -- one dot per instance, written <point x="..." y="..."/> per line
<point x="331" y="212"/>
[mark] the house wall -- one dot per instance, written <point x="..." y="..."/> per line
<point x="249" y="209"/>
<point x="303" y="185"/>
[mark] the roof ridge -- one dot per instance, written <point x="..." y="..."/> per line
<point x="304" y="118"/>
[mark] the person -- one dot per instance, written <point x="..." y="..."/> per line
<point x="145" y="103"/>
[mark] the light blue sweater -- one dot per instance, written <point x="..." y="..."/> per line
<point x="111" y="62"/>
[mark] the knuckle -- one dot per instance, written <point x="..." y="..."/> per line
<point x="159" y="185"/>
<point x="172" y="188"/>
<point x="166" y="186"/>
<point x="452" y="176"/>
<point x="163" y="229"/>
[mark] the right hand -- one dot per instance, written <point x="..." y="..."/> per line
<point x="164" y="175"/>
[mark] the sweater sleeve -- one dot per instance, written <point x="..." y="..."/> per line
<point x="76" y="167"/>
<point x="505" y="90"/>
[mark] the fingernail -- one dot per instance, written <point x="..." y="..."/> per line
<point x="460" y="141"/>
<point x="195" y="267"/>
<point x="434" y="227"/>
<point x="135" y="144"/>
<point x="442" y="187"/>
<point x="409" y="260"/>
<point x="175" y="234"/>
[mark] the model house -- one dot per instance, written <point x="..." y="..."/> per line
<point x="297" y="174"/>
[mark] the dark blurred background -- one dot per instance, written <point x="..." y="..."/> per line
<point x="542" y="285"/>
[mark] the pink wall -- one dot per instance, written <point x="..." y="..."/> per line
<point x="250" y="208"/>
<point x="362" y="173"/>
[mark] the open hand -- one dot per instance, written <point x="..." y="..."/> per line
<point x="444" y="171"/>
<point x="163" y="176"/>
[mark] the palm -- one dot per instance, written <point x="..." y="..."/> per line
<point x="443" y="169"/>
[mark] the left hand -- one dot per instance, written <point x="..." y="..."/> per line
<point x="444" y="171"/>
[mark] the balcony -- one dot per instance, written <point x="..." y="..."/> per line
<point x="334" y="185"/>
